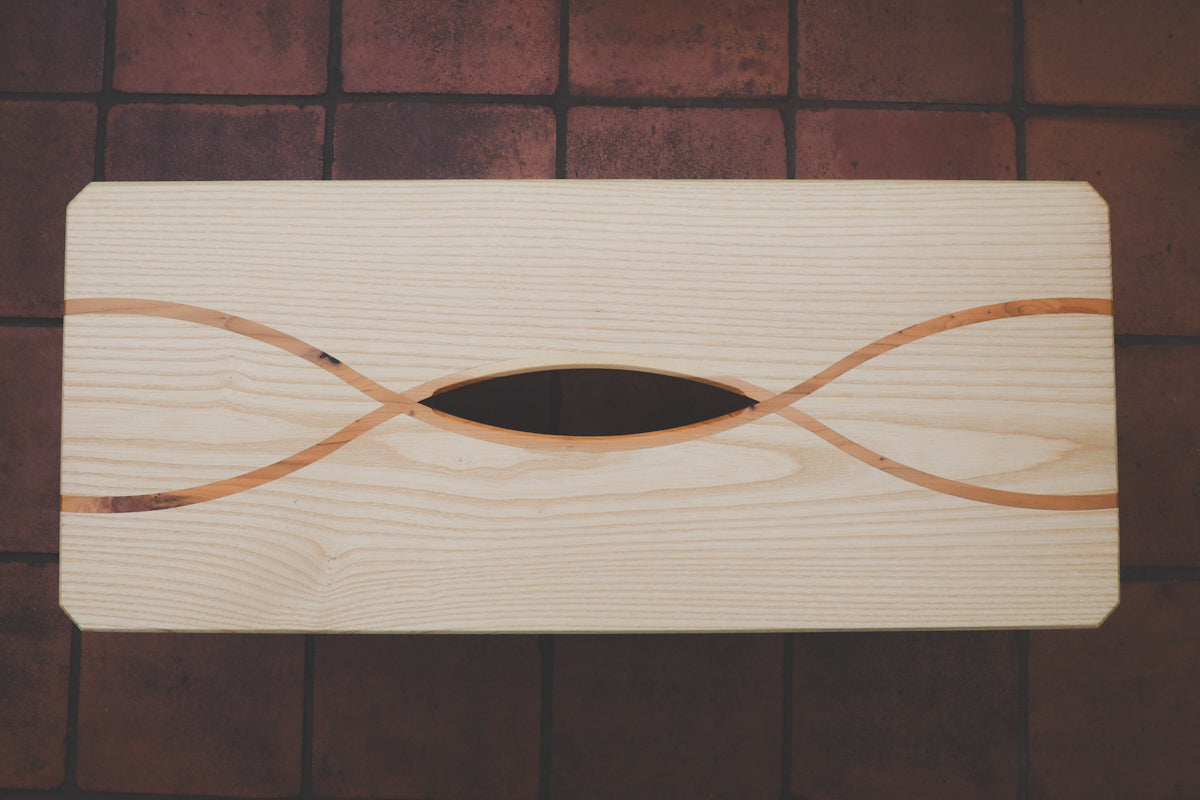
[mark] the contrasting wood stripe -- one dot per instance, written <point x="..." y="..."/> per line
<point x="393" y="404"/>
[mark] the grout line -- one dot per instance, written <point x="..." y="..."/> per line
<point x="333" y="87"/>
<point x="10" y="557"/>
<point x="306" y="723"/>
<point x="546" y="715"/>
<point x="104" y="100"/>
<point x="562" y="93"/>
<point x="18" y="791"/>
<point x="70" y="783"/>
<point x="1144" y="339"/>
<point x="785" y="790"/>
<point x="772" y="102"/>
<point x="70" y="787"/>
<point x="1120" y="112"/>
<point x="31" y="322"/>
<point x="1018" y="112"/>
<point x="1153" y="574"/>
<point x="788" y="110"/>
<point x="1022" y="715"/>
<point x="87" y="794"/>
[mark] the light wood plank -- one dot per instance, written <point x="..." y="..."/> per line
<point x="959" y="474"/>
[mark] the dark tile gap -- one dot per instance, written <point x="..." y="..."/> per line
<point x="14" y="557"/>
<point x="793" y="90"/>
<point x="47" y="793"/>
<point x="1022" y="715"/>
<point x="562" y="93"/>
<point x="298" y="100"/>
<point x="333" y="86"/>
<point x="70" y="783"/>
<point x="306" y="718"/>
<point x="1144" y="339"/>
<point x="1019" y="113"/>
<point x="104" y="100"/>
<point x="546" y="715"/>
<point x="785" y="788"/>
<point x="549" y="100"/>
<point x="85" y="794"/>
<point x="1119" y="112"/>
<point x="776" y="102"/>
<point x="49" y="97"/>
<point x="1158" y="574"/>
<point x="31" y="322"/>
<point x="715" y="101"/>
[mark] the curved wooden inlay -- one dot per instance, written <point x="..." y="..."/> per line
<point x="238" y="325"/>
<point x="393" y="404"/>
<point x="972" y="316"/>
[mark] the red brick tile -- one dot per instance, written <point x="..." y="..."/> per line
<point x="35" y="651"/>
<point x="1149" y="172"/>
<point x="675" y="143"/>
<point x="924" y="50"/>
<point x="654" y="716"/>
<point x="191" y="713"/>
<point x="52" y="46"/>
<point x="930" y="715"/>
<point x="1112" y="712"/>
<point x="489" y="47"/>
<point x="436" y="140"/>
<point x="1158" y="424"/>
<point x="48" y="152"/>
<point x="30" y="430"/>
<point x="928" y="145"/>
<point x="1113" y="52"/>
<point x="205" y="47"/>
<point x="451" y="717"/>
<point x="186" y="142"/>
<point x="679" y="48"/>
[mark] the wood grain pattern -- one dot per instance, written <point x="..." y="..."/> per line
<point x="393" y="404"/>
<point x="932" y="445"/>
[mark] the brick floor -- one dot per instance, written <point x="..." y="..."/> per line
<point x="1113" y="53"/>
<point x="900" y="144"/>
<point x="658" y="716"/>
<point x="675" y="143"/>
<point x="929" y="715"/>
<point x="191" y="713"/>
<point x="924" y="50"/>
<point x="1112" y="712"/>
<point x="49" y="151"/>
<point x="673" y="49"/>
<point x="205" y="47"/>
<point x="427" y="716"/>
<point x="1104" y="91"/>
<point x="35" y="644"/>
<point x="492" y="47"/>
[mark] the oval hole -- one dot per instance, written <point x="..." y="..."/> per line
<point x="588" y="402"/>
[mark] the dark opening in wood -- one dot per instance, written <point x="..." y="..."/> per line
<point x="588" y="402"/>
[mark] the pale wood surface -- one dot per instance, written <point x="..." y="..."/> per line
<point x="754" y="523"/>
